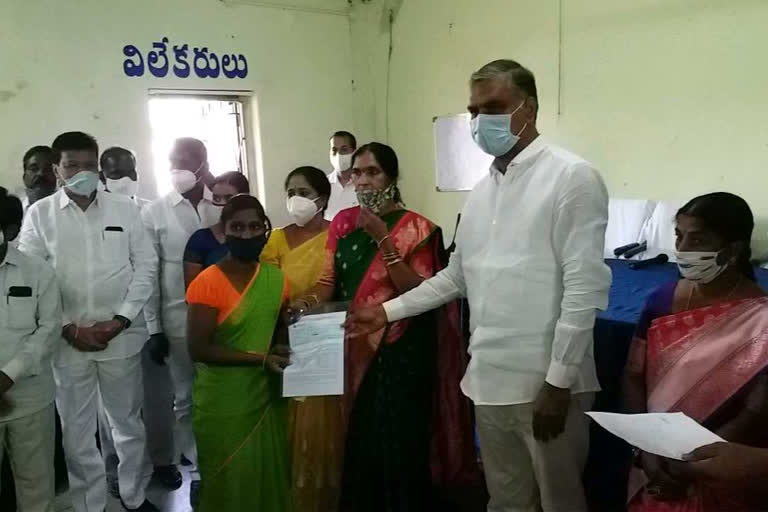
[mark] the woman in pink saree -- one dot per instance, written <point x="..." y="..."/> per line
<point x="702" y="349"/>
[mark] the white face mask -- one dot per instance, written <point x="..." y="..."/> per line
<point x="341" y="162"/>
<point x="183" y="180"/>
<point x="699" y="267"/>
<point x="210" y="214"/>
<point x="125" y="186"/>
<point x="301" y="209"/>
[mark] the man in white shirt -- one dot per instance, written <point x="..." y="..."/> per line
<point x="105" y="266"/>
<point x="529" y="258"/>
<point x="30" y="320"/>
<point x="171" y="220"/>
<point x="118" y="174"/>
<point x="39" y="179"/>
<point x="343" y="195"/>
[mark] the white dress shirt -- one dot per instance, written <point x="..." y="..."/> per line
<point x="171" y="220"/>
<point x="342" y="196"/>
<point x="30" y="322"/>
<point x="529" y="258"/>
<point x="105" y="266"/>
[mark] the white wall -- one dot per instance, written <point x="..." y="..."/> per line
<point x="62" y="70"/>
<point x="666" y="97"/>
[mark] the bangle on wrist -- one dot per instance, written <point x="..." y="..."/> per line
<point x="378" y="244"/>
<point x="389" y="256"/>
<point x="394" y="262"/>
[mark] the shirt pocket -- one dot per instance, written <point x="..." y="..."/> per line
<point x="115" y="245"/>
<point x="22" y="313"/>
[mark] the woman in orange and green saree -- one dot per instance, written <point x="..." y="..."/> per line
<point x="240" y="418"/>
<point x="408" y="426"/>
<point x="702" y="349"/>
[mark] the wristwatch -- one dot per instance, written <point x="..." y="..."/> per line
<point x="123" y="321"/>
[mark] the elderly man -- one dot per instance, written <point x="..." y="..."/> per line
<point x="529" y="257"/>
<point x="105" y="266"/>
<point x="30" y="317"/>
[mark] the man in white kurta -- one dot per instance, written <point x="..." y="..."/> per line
<point x="170" y="221"/>
<point x="529" y="259"/>
<point x="30" y="321"/>
<point x="119" y="175"/>
<point x="105" y="266"/>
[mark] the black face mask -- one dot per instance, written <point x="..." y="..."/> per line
<point x="247" y="250"/>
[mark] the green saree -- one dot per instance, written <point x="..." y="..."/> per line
<point x="240" y="419"/>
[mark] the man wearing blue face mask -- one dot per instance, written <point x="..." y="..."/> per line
<point x="105" y="266"/>
<point x="529" y="257"/>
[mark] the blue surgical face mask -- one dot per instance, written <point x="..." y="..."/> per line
<point x="491" y="132"/>
<point x="83" y="183"/>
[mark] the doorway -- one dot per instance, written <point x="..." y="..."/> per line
<point x="217" y="120"/>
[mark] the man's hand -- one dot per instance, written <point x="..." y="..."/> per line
<point x="550" y="410"/>
<point x="85" y="339"/>
<point x="278" y="358"/>
<point x="365" y="321"/>
<point x="159" y="348"/>
<point x="727" y="465"/>
<point x="5" y="384"/>
<point x="108" y="330"/>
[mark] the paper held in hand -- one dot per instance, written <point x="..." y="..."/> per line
<point x="670" y="435"/>
<point x="317" y="356"/>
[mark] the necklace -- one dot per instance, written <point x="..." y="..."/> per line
<point x="730" y="294"/>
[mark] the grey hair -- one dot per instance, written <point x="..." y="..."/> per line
<point x="509" y="71"/>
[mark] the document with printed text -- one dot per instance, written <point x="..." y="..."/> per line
<point x="317" y="356"/>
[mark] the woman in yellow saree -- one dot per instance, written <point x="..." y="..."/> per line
<point x="240" y="418"/>
<point x="316" y="422"/>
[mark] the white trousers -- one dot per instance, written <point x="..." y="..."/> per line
<point x="157" y="414"/>
<point x="118" y="385"/>
<point x="183" y="377"/>
<point x="29" y="442"/>
<point x="525" y="475"/>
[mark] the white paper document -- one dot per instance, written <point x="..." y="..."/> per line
<point x="317" y="356"/>
<point x="670" y="435"/>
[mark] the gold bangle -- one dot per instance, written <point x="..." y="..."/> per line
<point x="378" y="244"/>
<point x="394" y="262"/>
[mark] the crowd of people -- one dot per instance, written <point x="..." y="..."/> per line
<point x="160" y="330"/>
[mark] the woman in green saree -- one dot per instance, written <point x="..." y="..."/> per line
<point x="240" y="419"/>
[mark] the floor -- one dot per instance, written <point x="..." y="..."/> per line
<point x="173" y="501"/>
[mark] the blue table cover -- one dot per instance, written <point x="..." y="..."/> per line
<point x="630" y="288"/>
